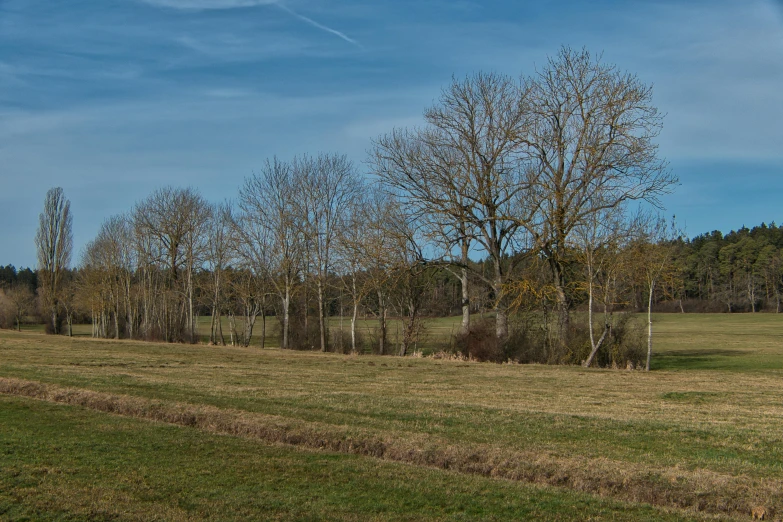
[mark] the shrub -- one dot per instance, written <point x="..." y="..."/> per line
<point x="341" y="341"/>
<point x="479" y="343"/>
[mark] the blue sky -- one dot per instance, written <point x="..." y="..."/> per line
<point x="111" y="99"/>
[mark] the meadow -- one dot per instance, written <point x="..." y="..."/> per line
<point x="132" y="430"/>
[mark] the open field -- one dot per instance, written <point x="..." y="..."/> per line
<point x="682" y="341"/>
<point x="410" y="438"/>
<point x="438" y="330"/>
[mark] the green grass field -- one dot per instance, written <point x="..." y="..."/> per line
<point x="131" y="430"/>
<point x="437" y="331"/>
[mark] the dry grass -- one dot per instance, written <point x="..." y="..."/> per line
<point x="706" y="440"/>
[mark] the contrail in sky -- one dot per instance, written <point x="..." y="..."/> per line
<point x="316" y="24"/>
<point x="233" y="4"/>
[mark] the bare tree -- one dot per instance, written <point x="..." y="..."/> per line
<point x="326" y="185"/>
<point x="54" y="242"/>
<point x="219" y="256"/>
<point x="170" y="227"/>
<point x="598" y="240"/>
<point x="21" y="300"/>
<point x="356" y="244"/>
<point x="270" y="232"/>
<point x="651" y="255"/>
<point x="377" y="242"/>
<point x="465" y="173"/>
<point x="592" y="143"/>
<point x="108" y="268"/>
<point x="410" y="277"/>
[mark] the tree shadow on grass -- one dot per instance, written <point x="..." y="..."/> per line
<point x="712" y="352"/>
<point x="705" y="359"/>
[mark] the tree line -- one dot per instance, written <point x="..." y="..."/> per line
<point x="533" y="198"/>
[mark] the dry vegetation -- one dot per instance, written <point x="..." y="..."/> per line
<point x="706" y="440"/>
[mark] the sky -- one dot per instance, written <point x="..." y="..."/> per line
<point x="113" y="99"/>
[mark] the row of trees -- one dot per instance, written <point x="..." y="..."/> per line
<point x="543" y="177"/>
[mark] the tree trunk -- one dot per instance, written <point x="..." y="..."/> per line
<point x="465" y="326"/>
<point x="191" y="319"/>
<point x="561" y="300"/>
<point x="594" y="346"/>
<point x="286" y="303"/>
<point x="382" y="322"/>
<point x="117" y="319"/>
<point x="501" y="315"/>
<point x="250" y="321"/>
<point x="263" y="327"/>
<point x="353" y="326"/>
<point x="465" y="283"/>
<point x="213" y="327"/>
<point x="220" y="329"/>
<point x="321" y="314"/>
<point x="649" y="326"/>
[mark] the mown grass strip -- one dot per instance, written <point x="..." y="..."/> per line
<point x="60" y="462"/>
<point x="697" y="490"/>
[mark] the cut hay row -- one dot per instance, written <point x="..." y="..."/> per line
<point x="693" y="490"/>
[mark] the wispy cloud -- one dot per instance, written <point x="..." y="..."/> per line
<point x="318" y="25"/>
<point x="207" y="4"/>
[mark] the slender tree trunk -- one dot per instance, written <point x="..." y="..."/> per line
<point x="191" y="318"/>
<point x="355" y="300"/>
<point x="117" y="318"/>
<point x="250" y="321"/>
<point x="286" y="303"/>
<point x="212" y="326"/>
<point x="321" y="314"/>
<point x="649" y="326"/>
<point x="353" y="326"/>
<point x="220" y="329"/>
<point x="595" y="346"/>
<point x="409" y="333"/>
<point x="382" y="322"/>
<point x="464" y="282"/>
<point x="263" y="326"/>
<point x="465" y="326"/>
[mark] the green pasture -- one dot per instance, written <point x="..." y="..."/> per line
<point x="65" y="463"/>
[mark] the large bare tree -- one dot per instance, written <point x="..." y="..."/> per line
<point x="592" y="143"/>
<point x="54" y="242"/>
<point x="464" y="173"/>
